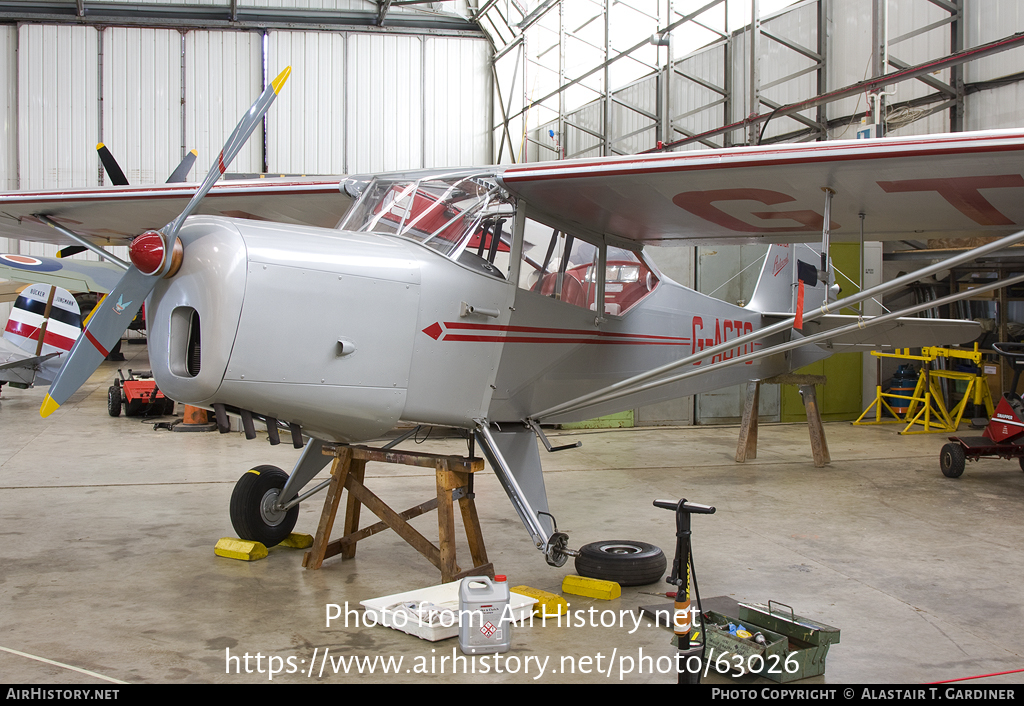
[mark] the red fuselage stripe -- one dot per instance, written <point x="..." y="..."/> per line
<point x="538" y="339"/>
<point x="457" y="325"/>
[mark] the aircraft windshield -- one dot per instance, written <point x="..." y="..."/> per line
<point x="449" y="214"/>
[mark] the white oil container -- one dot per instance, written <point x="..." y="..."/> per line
<point x="485" y="623"/>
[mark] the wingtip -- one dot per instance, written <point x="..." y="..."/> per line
<point x="278" y="82"/>
<point x="49" y="407"/>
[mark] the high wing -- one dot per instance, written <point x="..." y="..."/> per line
<point x="116" y="214"/>
<point x="954" y="185"/>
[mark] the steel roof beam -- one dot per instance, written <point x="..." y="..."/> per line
<point x="226" y="16"/>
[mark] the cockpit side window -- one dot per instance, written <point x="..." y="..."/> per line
<point x="558" y="265"/>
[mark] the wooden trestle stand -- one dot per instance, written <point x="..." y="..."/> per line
<point x="747" y="446"/>
<point x="454" y="482"/>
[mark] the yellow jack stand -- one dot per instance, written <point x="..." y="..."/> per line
<point x="927" y="407"/>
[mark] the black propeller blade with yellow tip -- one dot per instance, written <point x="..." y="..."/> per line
<point x="117" y="177"/>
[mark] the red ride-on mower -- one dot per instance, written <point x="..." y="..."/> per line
<point x="138" y="394"/>
<point x="1004" y="435"/>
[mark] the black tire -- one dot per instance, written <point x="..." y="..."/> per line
<point x="251" y="517"/>
<point x="624" y="561"/>
<point x="952" y="460"/>
<point x="114" y="401"/>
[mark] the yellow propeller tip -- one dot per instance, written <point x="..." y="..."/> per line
<point x="99" y="145"/>
<point x="49" y="407"/>
<point x="194" y="153"/>
<point x="278" y="82"/>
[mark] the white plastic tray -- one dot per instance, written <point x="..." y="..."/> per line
<point x="445" y="595"/>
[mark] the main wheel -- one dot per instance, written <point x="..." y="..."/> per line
<point x="623" y="561"/>
<point x="114" y="401"/>
<point x="952" y="460"/>
<point x="252" y="506"/>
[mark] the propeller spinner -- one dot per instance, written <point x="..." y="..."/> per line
<point x="154" y="254"/>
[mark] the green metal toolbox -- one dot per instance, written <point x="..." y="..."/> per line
<point x="795" y="647"/>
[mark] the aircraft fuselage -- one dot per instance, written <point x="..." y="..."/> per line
<point x="346" y="334"/>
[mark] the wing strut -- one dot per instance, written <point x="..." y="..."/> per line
<point x="826" y="231"/>
<point x="79" y="239"/>
<point x="628" y="386"/>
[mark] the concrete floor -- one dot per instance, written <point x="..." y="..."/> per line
<point x="107" y="562"/>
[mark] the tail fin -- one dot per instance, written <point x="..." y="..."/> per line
<point x="25" y="324"/>
<point x="784" y="265"/>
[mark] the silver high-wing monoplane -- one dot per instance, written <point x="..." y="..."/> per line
<point x="494" y="299"/>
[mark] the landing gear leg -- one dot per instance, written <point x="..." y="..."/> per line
<point x="513" y="456"/>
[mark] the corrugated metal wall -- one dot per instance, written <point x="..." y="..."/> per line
<point x="58" y="108"/>
<point x="142" y="101"/>
<point x="306" y="132"/>
<point x="223" y="75"/>
<point x="456" y="105"/>
<point x="385" y="103"/>
<point x="355" y="102"/>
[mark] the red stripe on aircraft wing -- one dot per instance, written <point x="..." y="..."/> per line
<point x="701" y="160"/>
<point x="232" y="188"/>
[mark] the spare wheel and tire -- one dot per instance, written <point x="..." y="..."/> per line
<point x="624" y="561"/>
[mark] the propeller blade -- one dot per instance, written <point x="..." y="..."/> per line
<point x="106" y="325"/>
<point x="71" y="250"/>
<point x="181" y="171"/>
<point x="231" y="148"/>
<point x="154" y="254"/>
<point x="117" y="177"/>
